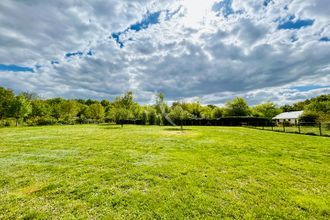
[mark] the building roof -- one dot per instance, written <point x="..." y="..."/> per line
<point x="289" y="115"/>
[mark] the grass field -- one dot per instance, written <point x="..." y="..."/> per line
<point x="100" y="171"/>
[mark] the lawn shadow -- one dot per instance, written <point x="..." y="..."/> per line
<point x="110" y="126"/>
<point x="177" y="129"/>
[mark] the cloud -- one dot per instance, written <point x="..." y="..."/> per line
<point x="208" y="51"/>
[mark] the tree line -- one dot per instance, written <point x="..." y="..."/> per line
<point x="29" y="109"/>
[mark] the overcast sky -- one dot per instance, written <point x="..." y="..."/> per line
<point x="205" y="50"/>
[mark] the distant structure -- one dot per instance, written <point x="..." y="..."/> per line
<point x="288" y="117"/>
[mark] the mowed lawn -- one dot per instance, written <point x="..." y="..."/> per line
<point x="151" y="172"/>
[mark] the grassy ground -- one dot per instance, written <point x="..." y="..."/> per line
<point x="95" y="171"/>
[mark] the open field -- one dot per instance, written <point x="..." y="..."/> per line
<point x="91" y="171"/>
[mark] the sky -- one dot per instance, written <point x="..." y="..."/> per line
<point x="190" y="50"/>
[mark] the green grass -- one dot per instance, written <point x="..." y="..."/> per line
<point x="98" y="171"/>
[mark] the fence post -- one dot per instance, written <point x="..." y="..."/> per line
<point x="299" y="128"/>
<point x="320" y="128"/>
<point x="283" y="126"/>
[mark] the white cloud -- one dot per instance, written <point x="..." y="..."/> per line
<point x="196" y="54"/>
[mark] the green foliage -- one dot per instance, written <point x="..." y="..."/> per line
<point x="118" y="115"/>
<point x="178" y="114"/>
<point x="266" y="110"/>
<point x="237" y="107"/>
<point x="319" y="108"/>
<point x="206" y="112"/>
<point x="41" y="120"/>
<point x="309" y="117"/>
<point x="30" y="106"/>
<point x="40" y="108"/>
<point x="95" y="111"/>
<point x="105" y="103"/>
<point x="69" y="109"/>
<point x="20" y="108"/>
<point x="6" y="98"/>
<point x="217" y="112"/>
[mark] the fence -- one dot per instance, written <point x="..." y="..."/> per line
<point x="320" y="129"/>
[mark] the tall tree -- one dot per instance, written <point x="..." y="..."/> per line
<point x="40" y="108"/>
<point x="266" y="110"/>
<point x="179" y="115"/>
<point x="20" y="108"/>
<point x="69" y="109"/>
<point x="237" y="107"/>
<point x="6" y="98"/>
<point x="95" y="111"/>
<point x="217" y="112"/>
<point x="124" y="107"/>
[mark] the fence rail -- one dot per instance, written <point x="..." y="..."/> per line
<point x="319" y="129"/>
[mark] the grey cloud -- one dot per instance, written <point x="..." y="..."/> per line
<point x="243" y="55"/>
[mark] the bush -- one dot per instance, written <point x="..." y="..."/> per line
<point x="43" y="120"/>
<point x="7" y="122"/>
<point x="309" y="117"/>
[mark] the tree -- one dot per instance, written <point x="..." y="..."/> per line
<point x="217" y="112"/>
<point x="266" y="110"/>
<point x="6" y="98"/>
<point x="30" y="96"/>
<point x="194" y="108"/>
<point x="90" y="102"/>
<point x="206" y="112"/>
<point x="126" y="101"/>
<point x="237" y="107"/>
<point x="178" y="115"/>
<point x="120" y="114"/>
<point x="105" y="103"/>
<point x="40" y="108"/>
<point x="152" y="116"/>
<point x="287" y="108"/>
<point x="95" y="111"/>
<point x="69" y="109"/>
<point x="162" y="109"/>
<point x="321" y="108"/>
<point x="124" y="107"/>
<point x="20" y="108"/>
<point x="309" y="117"/>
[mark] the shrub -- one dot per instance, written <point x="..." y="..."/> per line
<point x="309" y="117"/>
<point x="43" y="120"/>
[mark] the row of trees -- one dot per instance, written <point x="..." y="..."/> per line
<point x="27" y="108"/>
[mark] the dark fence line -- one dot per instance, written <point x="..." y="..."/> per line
<point x="226" y="121"/>
<point x="319" y="129"/>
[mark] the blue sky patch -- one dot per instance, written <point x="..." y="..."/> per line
<point x="53" y="62"/>
<point x="325" y="39"/>
<point x="116" y="37"/>
<point x="266" y="2"/>
<point x="148" y="20"/>
<point x="308" y="87"/>
<point x="15" y="68"/>
<point x="300" y="23"/>
<point x="78" y="53"/>
<point x="90" y="53"/>
<point x="224" y="7"/>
